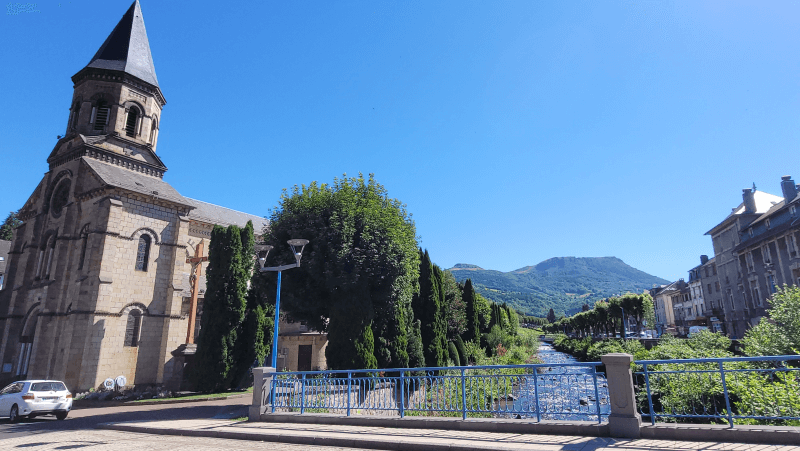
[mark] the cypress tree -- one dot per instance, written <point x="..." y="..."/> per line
<point x="428" y="308"/>
<point x="473" y="320"/>
<point x="462" y="351"/>
<point x="416" y="356"/>
<point x="224" y="308"/>
<point x="453" y="352"/>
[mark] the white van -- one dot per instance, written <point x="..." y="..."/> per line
<point x="696" y="330"/>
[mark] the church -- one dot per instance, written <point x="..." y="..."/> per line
<point x="105" y="276"/>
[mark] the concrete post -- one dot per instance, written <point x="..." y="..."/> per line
<point x="624" y="420"/>
<point x="262" y="382"/>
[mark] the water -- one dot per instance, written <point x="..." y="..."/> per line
<point x="565" y="393"/>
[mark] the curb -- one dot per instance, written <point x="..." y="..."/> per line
<point x="355" y="442"/>
<point x="102" y="404"/>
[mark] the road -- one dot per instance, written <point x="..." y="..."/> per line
<point x="78" y="430"/>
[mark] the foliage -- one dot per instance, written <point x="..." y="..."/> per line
<point x="224" y="309"/>
<point x="551" y="316"/>
<point x="780" y="333"/>
<point x="453" y="354"/>
<point x="473" y="329"/>
<point x="359" y="269"/>
<point x="11" y="222"/>
<point x="429" y="307"/>
<point x="416" y="356"/>
<point x="462" y="352"/>
<point x="454" y="307"/>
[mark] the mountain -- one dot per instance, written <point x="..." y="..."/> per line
<point x="561" y="283"/>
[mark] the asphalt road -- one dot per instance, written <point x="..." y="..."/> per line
<point x="88" y="418"/>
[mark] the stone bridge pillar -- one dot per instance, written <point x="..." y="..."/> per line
<point x="624" y="420"/>
<point x="262" y="381"/>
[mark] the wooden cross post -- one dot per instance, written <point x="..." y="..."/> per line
<point x="196" y="262"/>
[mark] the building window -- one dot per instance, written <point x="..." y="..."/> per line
<point x="131" y="124"/>
<point x="76" y="111"/>
<point x="750" y="232"/>
<point x="716" y="285"/>
<point x="771" y="283"/>
<point x="756" y="296"/>
<point x="767" y="223"/>
<point x="143" y="253"/>
<point x="709" y="289"/>
<point x="765" y="252"/>
<point x="153" y="128"/>
<point x="714" y="269"/>
<point x="100" y="115"/>
<point x="791" y="244"/>
<point x="793" y="210"/>
<point x="60" y="198"/>
<point x="132" y="328"/>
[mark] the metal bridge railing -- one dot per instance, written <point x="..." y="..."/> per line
<point x="541" y="391"/>
<point x="741" y="390"/>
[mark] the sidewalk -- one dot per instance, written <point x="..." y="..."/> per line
<point x="383" y="438"/>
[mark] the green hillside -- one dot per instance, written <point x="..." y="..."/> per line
<point x="560" y="283"/>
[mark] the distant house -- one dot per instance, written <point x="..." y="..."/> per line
<point x="300" y="348"/>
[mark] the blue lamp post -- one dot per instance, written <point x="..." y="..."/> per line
<point x="297" y="246"/>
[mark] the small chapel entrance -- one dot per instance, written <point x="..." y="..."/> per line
<point x="304" y="358"/>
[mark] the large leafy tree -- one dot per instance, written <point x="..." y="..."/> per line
<point x="358" y="273"/>
<point x="8" y="226"/>
<point x="779" y="334"/>
<point x="224" y="309"/>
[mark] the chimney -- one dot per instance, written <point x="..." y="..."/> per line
<point x="749" y="201"/>
<point x="703" y="259"/>
<point x="788" y="187"/>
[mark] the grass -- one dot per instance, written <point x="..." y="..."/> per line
<point x="201" y="396"/>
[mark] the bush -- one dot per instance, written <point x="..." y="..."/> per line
<point x="453" y="352"/>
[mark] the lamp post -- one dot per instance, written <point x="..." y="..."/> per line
<point x="297" y="246"/>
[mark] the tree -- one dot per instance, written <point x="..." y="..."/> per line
<point x="455" y="309"/>
<point x="429" y="308"/>
<point x="473" y="330"/>
<point x="7" y="228"/>
<point x="224" y="308"/>
<point x="358" y="271"/>
<point x="551" y="316"/>
<point x="780" y="333"/>
<point x="254" y="336"/>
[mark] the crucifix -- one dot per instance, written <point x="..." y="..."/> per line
<point x="197" y="266"/>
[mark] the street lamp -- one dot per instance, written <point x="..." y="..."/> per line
<point x="297" y="246"/>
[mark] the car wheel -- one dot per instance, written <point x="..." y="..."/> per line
<point x="13" y="416"/>
<point x="61" y="415"/>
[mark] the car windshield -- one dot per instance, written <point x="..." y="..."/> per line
<point x="47" y="386"/>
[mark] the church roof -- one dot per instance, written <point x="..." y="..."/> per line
<point x="137" y="182"/>
<point x="214" y="214"/>
<point x="127" y="49"/>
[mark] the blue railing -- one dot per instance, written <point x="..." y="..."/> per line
<point x="744" y="390"/>
<point x="541" y="391"/>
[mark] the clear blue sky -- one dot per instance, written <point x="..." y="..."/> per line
<point x="514" y="131"/>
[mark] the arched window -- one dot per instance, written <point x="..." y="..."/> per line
<point x="131" y="124"/>
<point x="143" y="253"/>
<point x="132" y="328"/>
<point x="100" y="115"/>
<point x="51" y="246"/>
<point x="76" y="111"/>
<point x="153" y="129"/>
<point x="84" y="243"/>
<point x="60" y="197"/>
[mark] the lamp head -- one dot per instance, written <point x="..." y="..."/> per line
<point x="261" y="252"/>
<point x="297" y="246"/>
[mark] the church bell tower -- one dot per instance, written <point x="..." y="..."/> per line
<point x="116" y="96"/>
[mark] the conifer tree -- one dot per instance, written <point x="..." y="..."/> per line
<point x="223" y="310"/>
<point x="429" y="309"/>
<point x="473" y="331"/>
<point x="416" y="356"/>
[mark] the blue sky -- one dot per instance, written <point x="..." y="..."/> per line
<point x="514" y="131"/>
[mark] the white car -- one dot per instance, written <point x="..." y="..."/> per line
<point x="33" y="398"/>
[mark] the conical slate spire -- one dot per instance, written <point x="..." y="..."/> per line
<point x="127" y="49"/>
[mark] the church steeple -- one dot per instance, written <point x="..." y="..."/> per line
<point x="127" y="48"/>
<point x="117" y="93"/>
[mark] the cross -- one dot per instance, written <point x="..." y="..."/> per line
<point x="196" y="262"/>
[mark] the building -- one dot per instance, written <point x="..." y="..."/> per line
<point x="300" y="348"/>
<point x="726" y="238"/>
<point x="663" y="298"/>
<point x="767" y="256"/>
<point x="98" y="282"/>
<point x="5" y="246"/>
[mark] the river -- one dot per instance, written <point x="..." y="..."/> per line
<point x="565" y="393"/>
